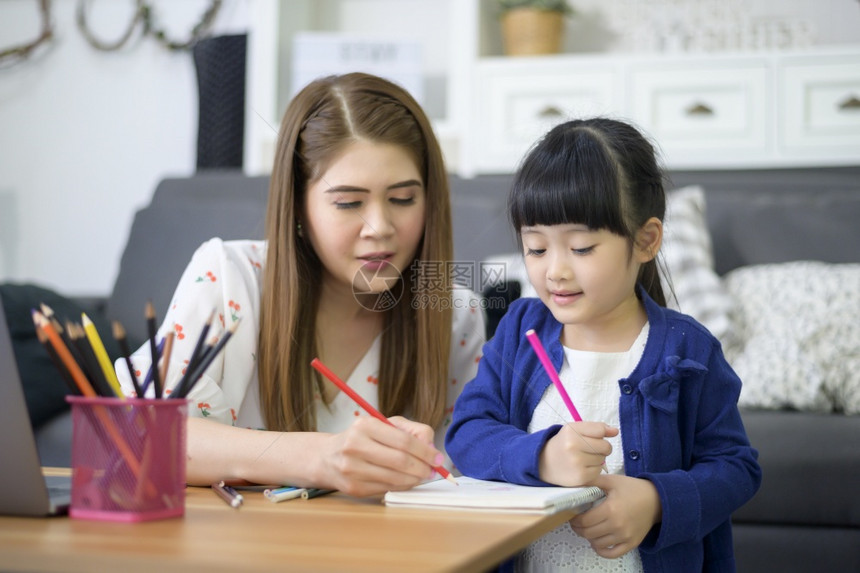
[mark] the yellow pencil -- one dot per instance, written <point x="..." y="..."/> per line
<point x="101" y="354"/>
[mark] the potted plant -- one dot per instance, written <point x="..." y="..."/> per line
<point x="533" y="27"/>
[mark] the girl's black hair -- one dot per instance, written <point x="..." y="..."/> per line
<point x="597" y="172"/>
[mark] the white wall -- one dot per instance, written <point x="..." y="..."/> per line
<point x="85" y="136"/>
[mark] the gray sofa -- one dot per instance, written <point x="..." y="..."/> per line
<point x="806" y="517"/>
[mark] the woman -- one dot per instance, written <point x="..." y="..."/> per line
<point x="358" y="219"/>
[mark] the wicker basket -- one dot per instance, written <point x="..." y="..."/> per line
<point x="531" y="32"/>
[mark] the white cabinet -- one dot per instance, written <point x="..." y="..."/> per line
<point x="697" y="109"/>
<point x="703" y="111"/>
<point x="756" y="109"/>
<point x="514" y="109"/>
<point x="821" y="107"/>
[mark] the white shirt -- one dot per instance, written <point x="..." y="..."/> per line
<point x="591" y="381"/>
<point x="226" y="275"/>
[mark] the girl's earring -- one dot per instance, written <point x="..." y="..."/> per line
<point x="299" y="230"/>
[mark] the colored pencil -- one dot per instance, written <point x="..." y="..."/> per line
<point x="65" y="356"/>
<point x="88" y="391"/>
<point x="165" y="356"/>
<point x="201" y="341"/>
<point x="553" y="375"/>
<point x="90" y="363"/>
<point x="150" y="324"/>
<point x="323" y="369"/>
<point x="48" y="313"/>
<point x="284" y="493"/>
<point x="190" y="379"/>
<point x="313" y="492"/>
<point x="58" y="364"/>
<point x="147" y="380"/>
<point x="119" y="335"/>
<point x="228" y="494"/>
<point x="101" y="354"/>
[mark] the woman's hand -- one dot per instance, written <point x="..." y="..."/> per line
<point x="372" y="457"/>
<point x="576" y="454"/>
<point x="620" y="523"/>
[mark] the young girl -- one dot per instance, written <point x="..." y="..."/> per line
<point x="658" y="400"/>
<point x="358" y="203"/>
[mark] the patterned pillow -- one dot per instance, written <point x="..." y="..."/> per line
<point x="689" y="260"/>
<point x="798" y="327"/>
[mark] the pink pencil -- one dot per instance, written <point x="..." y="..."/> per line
<point x="553" y="375"/>
<point x="323" y="369"/>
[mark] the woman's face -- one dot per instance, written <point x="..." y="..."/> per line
<point x="364" y="217"/>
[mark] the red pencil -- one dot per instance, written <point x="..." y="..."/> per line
<point x="323" y="369"/>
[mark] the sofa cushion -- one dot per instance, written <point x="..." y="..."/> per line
<point x="807" y="462"/>
<point x="689" y="280"/>
<point x="798" y="335"/>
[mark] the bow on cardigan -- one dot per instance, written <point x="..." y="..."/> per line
<point x="661" y="390"/>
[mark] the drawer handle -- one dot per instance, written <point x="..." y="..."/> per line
<point x="550" y="112"/>
<point x="850" y="103"/>
<point x="699" y="109"/>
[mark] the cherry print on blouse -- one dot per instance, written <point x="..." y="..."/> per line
<point x="179" y="334"/>
<point x="256" y="264"/>
<point x="204" y="409"/>
<point x="233" y="416"/>
<point x="234" y="310"/>
<point x="209" y="276"/>
<point x="373" y="380"/>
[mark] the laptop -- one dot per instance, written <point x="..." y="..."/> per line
<point x="23" y="488"/>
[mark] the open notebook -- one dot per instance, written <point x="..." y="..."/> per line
<point x="478" y="494"/>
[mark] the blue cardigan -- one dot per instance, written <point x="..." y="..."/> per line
<point x="680" y="426"/>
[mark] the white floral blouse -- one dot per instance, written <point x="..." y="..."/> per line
<point x="226" y="275"/>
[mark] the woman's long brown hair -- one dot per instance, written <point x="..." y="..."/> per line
<point x="319" y="122"/>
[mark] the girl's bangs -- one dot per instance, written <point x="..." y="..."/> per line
<point x="577" y="186"/>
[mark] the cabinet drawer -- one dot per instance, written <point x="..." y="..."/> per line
<point x="515" y="109"/>
<point x="697" y="112"/>
<point x="821" y="107"/>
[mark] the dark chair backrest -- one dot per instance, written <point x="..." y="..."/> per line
<point x="184" y="213"/>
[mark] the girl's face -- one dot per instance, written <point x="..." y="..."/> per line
<point x="364" y="217"/>
<point x="586" y="278"/>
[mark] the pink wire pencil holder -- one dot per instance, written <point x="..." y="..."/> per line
<point x="128" y="458"/>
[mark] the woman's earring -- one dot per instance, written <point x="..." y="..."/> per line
<point x="299" y="230"/>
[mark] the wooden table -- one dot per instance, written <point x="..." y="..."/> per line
<point x="330" y="533"/>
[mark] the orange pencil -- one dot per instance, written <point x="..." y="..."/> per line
<point x="87" y="390"/>
<point x="63" y="352"/>
<point x="323" y="369"/>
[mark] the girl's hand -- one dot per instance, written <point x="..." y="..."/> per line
<point x="575" y="455"/>
<point x="372" y="457"/>
<point x="623" y="519"/>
